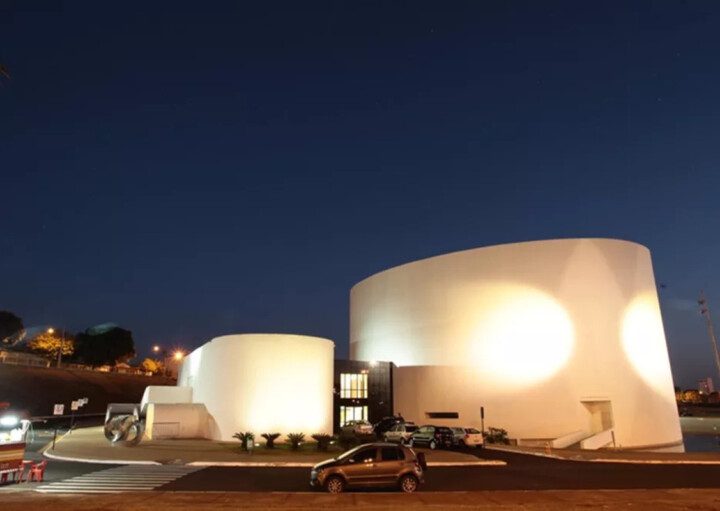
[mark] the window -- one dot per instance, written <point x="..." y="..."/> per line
<point x="353" y="386"/>
<point x="352" y="413"/>
<point x="365" y="455"/>
<point x="442" y="415"/>
<point x="392" y="454"/>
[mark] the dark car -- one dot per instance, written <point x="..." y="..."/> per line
<point x="370" y="465"/>
<point x="384" y="424"/>
<point x="432" y="436"/>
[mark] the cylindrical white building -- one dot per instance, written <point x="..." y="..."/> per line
<point x="263" y="383"/>
<point x="558" y="340"/>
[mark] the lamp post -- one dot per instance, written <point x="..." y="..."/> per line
<point x="51" y="331"/>
<point x="167" y="358"/>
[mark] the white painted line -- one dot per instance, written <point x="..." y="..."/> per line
<point x="611" y="460"/>
<point x="251" y="464"/>
<point x="305" y="465"/>
<point x="490" y="463"/>
<point x="84" y="491"/>
<point x="57" y="457"/>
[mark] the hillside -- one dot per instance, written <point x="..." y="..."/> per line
<point x="36" y="389"/>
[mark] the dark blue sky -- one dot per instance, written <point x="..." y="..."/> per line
<point x="188" y="171"/>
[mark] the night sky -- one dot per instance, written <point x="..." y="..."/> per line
<point x="192" y="169"/>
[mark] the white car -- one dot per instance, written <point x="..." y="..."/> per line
<point x="468" y="437"/>
<point x="400" y="433"/>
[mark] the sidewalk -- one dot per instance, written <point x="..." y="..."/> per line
<point x="90" y="445"/>
<point x="637" y="500"/>
<point x="610" y="456"/>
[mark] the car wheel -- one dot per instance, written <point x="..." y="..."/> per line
<point x="335" y="484"/>
<point x="408" y="483"/>
<point x="433" y="444"/>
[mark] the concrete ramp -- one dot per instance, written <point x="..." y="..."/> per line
<point x="602" y="439"/>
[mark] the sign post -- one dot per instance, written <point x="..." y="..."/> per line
<point x="58" y="409"/>
<point x="482" y="420"/>
<point x="73" y="407"/>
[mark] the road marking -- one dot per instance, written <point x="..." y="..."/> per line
<point x="120" y="479"/>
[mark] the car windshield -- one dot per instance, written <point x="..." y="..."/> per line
<point x="410" y="428"/>
<point x="472" y="431"/>
<point x="349" y="453"/>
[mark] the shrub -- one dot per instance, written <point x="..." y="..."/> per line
<point x="295" y="440"/>
<point x="244" y="437"/>
<point x="347" y="440"/>
<point x="270" y="439"/>
<point x="366" y="438"/>
<point x="496" y="436"/>
<point x="323" y="441"/>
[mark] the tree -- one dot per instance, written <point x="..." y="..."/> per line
<point x="50" y="344"/>
<point x="10" y="324"/>
<point x="97" y="347"/>
<point x="151" y="366"/>
<point x="692" y="396"/>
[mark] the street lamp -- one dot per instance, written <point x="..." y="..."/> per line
<point x="156" y="349"/>
<point x="51" y="331"/>
<point x="178" y="355"/>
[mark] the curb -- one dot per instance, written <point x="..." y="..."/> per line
<point x="290" y="464"/>
<point x="275" y="464"/>
<point x="98" y="461"/>
<point x="610" y="460"/>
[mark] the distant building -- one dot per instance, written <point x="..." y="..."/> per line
<point x="705" y="386"/>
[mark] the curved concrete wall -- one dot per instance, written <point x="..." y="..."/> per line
<point x="551" y="337"/>
<point x="264" y="383"/>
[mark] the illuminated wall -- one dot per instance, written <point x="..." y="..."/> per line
<point x="551" y="337"/>
<point x="264" y="383"/>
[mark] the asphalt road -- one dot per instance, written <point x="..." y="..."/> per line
<point x="522" y="472"/>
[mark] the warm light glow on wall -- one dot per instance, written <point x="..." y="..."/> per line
<point x="522" y="336"/>
<point x="263" y="383"/>
<point x="643" y="340"/>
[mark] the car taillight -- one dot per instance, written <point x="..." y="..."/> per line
<point x="467" y="436"/>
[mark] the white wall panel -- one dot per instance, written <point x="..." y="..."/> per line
<point x="264" y="383"/>
<point x="529" y="330"/>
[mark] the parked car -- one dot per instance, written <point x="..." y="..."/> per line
<point x="359" y="427"/>
<point x="369" y="465"/>
<point x="385" y="424"/>
<point x="400" y="432"/>
<point x="432" y="436"/>
<point x="467" y="437"/>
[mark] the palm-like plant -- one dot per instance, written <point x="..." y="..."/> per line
<point x="295" y="440"/>
<point x="323" y="441"/>
<point x="270" y="439"/>
<point x="244" y="437"/>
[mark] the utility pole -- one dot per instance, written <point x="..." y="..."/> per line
<point x="705" y="312"/>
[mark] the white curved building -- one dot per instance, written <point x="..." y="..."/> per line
<point x="558" y="341"/>
<point x="264" y="383"/>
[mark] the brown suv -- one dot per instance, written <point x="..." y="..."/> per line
<point x="379" y="464"/>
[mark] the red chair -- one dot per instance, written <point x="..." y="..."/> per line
<point x="37" y="471"/>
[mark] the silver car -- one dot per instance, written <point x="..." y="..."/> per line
<point x="400" y="433"/>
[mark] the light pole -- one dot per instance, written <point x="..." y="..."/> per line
<point x="51" y="331"/>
